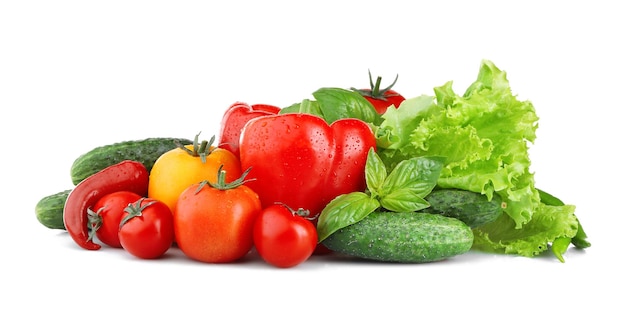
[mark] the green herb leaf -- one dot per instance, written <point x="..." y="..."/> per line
<point x="333" y="104"/>
<point x="304" y="107"/>
<point x="337" y="103"/>
<point x="375" y="173"/>
<point x="403" y="200"/>
<point x="418" y="175"/>
<point x="343" y="211"/>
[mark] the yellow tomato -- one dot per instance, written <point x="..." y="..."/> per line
<point x="179" y="168"/>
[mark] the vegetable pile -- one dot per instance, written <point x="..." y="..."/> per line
<point x="364" y="172"/>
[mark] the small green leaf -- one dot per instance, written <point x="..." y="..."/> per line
<point x="343" y="211"/>
<point x="306" y="106"/>
<point x="418" y="175"/>
<point x="403" y="200"/>
<point x="375" y="172"/>
<point x="337" y="103"/>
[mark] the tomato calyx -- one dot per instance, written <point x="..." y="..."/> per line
<point x="300" y="212"/>
<point x="135" y="210"/>
<point x="375" y="91"/>
<point x="200" y="149"/>
<point x="95" y="222"/>
<point x="221" y="183"/>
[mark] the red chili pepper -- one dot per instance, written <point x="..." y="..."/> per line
<point x="127" y="175"/>
<point x="235" y="117"/>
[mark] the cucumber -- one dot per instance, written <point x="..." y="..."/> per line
<point x="49" y="210"/>
<point x="145" y="151"/>
<point x="407" y="237"/>
<point x="473" y="208"/>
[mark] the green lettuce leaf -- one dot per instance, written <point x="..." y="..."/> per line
<point x="548" y="224"/>
<point x="484" y="136"/>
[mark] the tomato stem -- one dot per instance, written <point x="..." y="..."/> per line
<point x="221" y="183"/>
<point x="134" y="210"/>
<point x="95" y="222"/>
<point x="301" y="212"/>
<point x="375" y="87"/>
<point x="202" y="149"/>
<point x="375" y="91"/>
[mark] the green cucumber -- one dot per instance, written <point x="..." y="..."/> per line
<point x="49" y="210"/>
<point x="407" y="237"/>
<point x="145" y="151"/>
<point x="473" y="208"/>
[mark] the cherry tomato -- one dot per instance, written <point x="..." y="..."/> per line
<point x="183" y="166"/>
<point x="284" y="237"/>
<point x="147" y="228"/>
<point x="213" y="221"/>
<point x="381" y="99"/>
<point x="106" y="214"/>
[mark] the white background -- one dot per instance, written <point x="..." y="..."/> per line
<point x="79" y="74"/>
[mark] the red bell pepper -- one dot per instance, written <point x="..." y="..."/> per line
<point x="235" y="117"/>
<point x="301" y="161"/>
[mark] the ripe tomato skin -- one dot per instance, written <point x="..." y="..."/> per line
<point x="284" y="238"/>
<point x="147" y="228"/>
<point x="176" y="169"/>
<point x="213" y="225"/>
<point x="107" y="214"/>
<point x="384" y="101"/>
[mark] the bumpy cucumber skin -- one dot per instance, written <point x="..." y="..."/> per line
<point x="470" y="207"/>
<point x="49" y="210"/>
<point x="145" y="151"/>
<point x="406" y="237"/>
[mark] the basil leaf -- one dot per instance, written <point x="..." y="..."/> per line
<point x="337" y="103"/>
<point x="306" y="107"/>
<point x="403" y="200"/>
<point x="375" y="172"/>
<point x="419" y="175"/>
<point x="344" y="210"/>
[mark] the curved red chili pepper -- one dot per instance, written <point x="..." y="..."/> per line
<point x="127" y="175"/>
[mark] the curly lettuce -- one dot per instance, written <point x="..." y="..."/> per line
<point x="484" y="136"/>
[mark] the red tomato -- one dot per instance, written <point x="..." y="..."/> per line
<point x="106" y="214"/>
<point x="284" y="237"/>
<point x="381" y="99"/>
<point x="147" y="228"/>
<point x="213" y="222"/>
